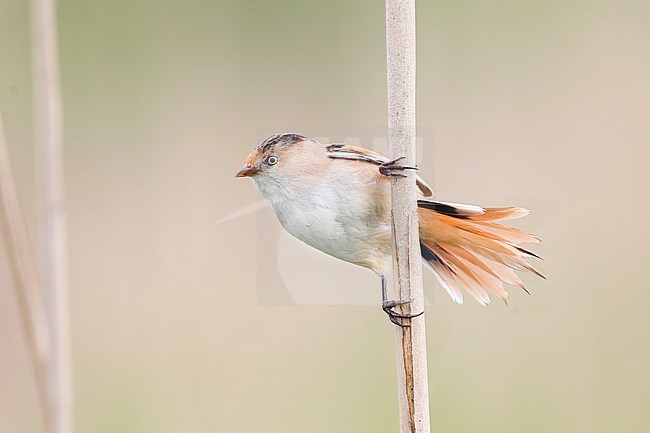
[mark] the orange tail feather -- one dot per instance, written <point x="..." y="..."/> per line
<point x="465" y="249"/>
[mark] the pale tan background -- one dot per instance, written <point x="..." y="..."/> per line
<point x="544" y="104"/>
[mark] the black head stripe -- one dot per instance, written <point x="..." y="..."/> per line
<point x="284" y="139"/>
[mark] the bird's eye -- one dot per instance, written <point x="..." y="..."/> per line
<point x="272" y="160"/>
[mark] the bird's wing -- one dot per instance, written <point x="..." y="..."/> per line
<point x="344" y="151"/>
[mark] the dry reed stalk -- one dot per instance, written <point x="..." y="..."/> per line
<point x="413" y="390"/>
<point x="48" y="135"/>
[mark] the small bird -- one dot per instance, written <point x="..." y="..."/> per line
<point x="336" y="198"/>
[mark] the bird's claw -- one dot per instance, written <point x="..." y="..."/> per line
<point x="388" y="168"/>
<point x="334" y="146"/>
<point x="394" y="316"/>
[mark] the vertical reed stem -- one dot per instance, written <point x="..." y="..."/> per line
<point x="53" y="242"/>
<point x="411" y="342"/>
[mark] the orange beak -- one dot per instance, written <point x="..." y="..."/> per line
<point x="247" y="171"/>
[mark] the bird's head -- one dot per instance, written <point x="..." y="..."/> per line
<point x="285" y="164"/>
<point x="279" y="156"/>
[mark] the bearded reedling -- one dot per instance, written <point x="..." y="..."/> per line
<point x="336" y="198"/>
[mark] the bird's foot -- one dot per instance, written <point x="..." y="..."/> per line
<point x="334" y="146"/>
<point x="395" y="317"/>
<point x="389" y="168"/>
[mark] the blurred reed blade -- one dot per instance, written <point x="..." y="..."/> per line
<point x="48" y="137"/>
<point x="260" y="204"/>
<point x="24" y="272"/>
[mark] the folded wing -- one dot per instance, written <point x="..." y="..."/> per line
<point x="344" y="151"/>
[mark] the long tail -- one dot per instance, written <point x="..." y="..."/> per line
<point x="465" y="248"/>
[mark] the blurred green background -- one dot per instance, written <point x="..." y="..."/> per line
<point x="543" y="104"/>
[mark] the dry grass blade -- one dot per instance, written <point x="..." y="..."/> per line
<point x="24" y="271"/>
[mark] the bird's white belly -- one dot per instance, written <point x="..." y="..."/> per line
<point x="325" y="229"/>
<point x="337" y="221"/>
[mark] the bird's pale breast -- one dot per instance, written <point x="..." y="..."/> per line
<point x="344" y="222"/>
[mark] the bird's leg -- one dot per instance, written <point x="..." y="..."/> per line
<point x="388" y="305"/>
<point x="388" y="168"/>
